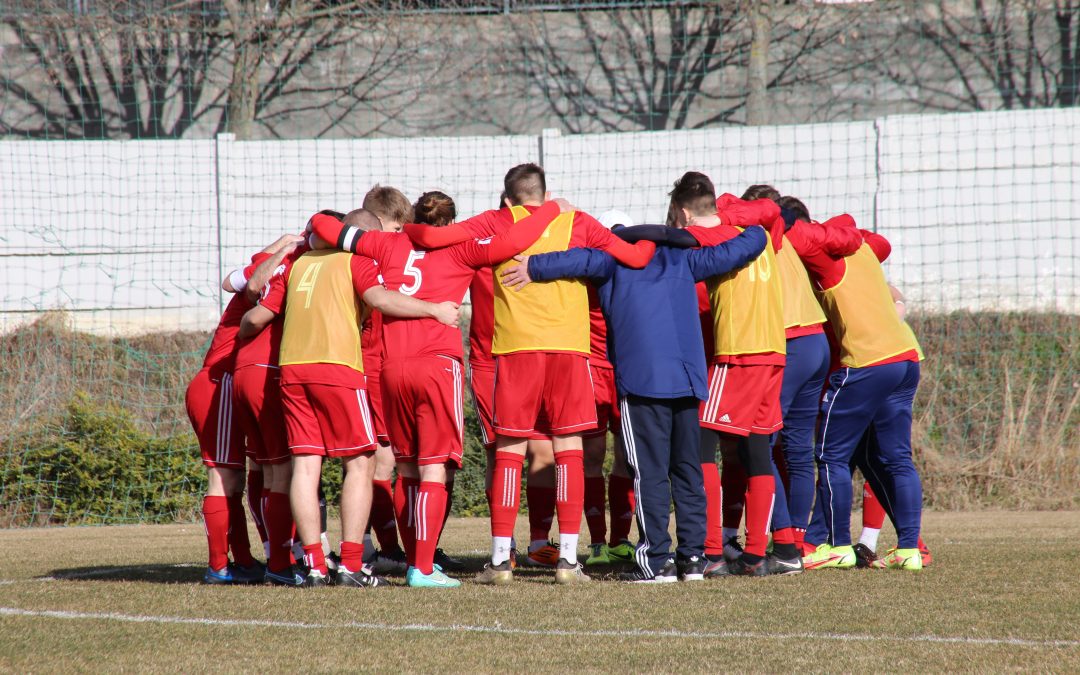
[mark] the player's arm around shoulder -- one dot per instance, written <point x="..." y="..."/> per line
<point x="732" y="254"/>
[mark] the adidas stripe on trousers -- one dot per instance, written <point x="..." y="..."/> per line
<point x="857" y="398"/>
<point x="661" y="440"/>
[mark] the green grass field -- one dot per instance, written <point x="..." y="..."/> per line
<point x="1002" y="594"/>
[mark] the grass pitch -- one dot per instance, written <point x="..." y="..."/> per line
<point x="1002" y="594"/>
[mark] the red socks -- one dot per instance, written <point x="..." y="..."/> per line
<point x="352" y="555"/>
<point x="279" y="526"/>
<point x="760" y="493"/>
<point x="255" y="501"/>
<point x="541" y="510"/>
<point x="505" y="493"/>
<point x="216" y="518"/>
<point x="570" y="490"/>
<point x="405" y="510"/>
<point x="785" y="536"/>
<point x="873" y="514"/>
<point x="733" y="487"/>
<point x="238" y="534"/>
<point x="383" y="521"/>
<point x="594" y="508"/>
<point x="430" y="509"/>
<point x="314" y="559"/>
<point x="621" y="503"/>
<point x="714" y="532"/>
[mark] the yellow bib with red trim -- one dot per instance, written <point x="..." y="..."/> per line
<point x="748" y="308"/>
<point x="801" y="308"/>
<point x="863" y="315"/>
<point x="322" y="312"/>
<point x="552" y="316"/>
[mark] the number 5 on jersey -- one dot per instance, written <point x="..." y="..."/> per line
<point x="307" y="283"/>
<point x="411" y="270"/>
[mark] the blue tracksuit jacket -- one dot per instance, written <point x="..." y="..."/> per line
<point x="654" y="335"/>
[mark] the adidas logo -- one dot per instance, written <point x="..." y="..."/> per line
<point x="725" y="419"/>
<point x="825" y="398"/>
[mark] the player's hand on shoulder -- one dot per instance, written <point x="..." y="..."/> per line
<point x="517" y="277"/>
<point x="564" y="205"/>
<point x="448" y="313"/>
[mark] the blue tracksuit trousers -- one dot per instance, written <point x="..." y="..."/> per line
<point x="661" y="440"/>
<point x="856" y="398"/>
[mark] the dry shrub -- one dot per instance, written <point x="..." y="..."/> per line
<point x="998" y="411"/>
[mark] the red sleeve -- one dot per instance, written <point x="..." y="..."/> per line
<point x="597" y="236"/>
<point x="481" y="226"/>
<point x="273" y="293"/>
<point x="877" y="243"/>
<point x="376" y="245"/>
<point x="807" y="240"/>
<point x="506" y="245"/>
<point x="365" y="274"/>
<point x="835" y="237"/>
<point x="711" y="236"/>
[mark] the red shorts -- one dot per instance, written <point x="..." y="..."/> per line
<point x="375" y="396"/>
<point x="257" y="396"/>
<point x="534" y="386"/>
<point x="607" y="403"/>
<point x="743" y="400"/>
<point x="209" y="402"/>
<point x="482" y="383"/>
<point x="325" y="419"/>
<point x="424" y="414"/>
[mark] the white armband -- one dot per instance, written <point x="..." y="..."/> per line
<point x="237" y="279"/>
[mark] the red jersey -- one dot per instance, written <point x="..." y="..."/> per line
<point x="482" y="325"/>
<point x="597" y="332"/>
<point x="262" y="348"/>
<point x="587" y="232"/>
<point x="363" y="277"/>
<point x="437" y="275"/>
<point x="371" y="342"/>
<point x="221" y="357"/>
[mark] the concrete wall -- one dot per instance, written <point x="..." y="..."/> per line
<point x="981" y="208"/>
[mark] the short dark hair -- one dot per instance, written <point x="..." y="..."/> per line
<point x="762" y="191"/>
<point x="388" y="204"/>
<point x="525" y="182"/>
<point x="794" y="204"/>
<point x="695" y="193"/>
<point x="363" y="219"/>
<point x="332" y="213"/>
<point x="434" y="208"/>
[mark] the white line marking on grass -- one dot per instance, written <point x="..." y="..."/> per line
<point x="504" y="630"/>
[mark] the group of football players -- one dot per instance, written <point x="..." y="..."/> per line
<point x="744" y="358"/>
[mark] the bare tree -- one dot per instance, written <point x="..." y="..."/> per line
<point x="113" y="73"/>
<point x="251" y="67"/>
<point x="679" y="65"/>
<point x="985" y="54"/>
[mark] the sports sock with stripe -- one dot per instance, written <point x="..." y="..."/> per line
<point x="315" y="559"/>
<point x="714" y="532"/>
<point x="569" y="500"/>
<point x="255" y="501"/>
<point x="430" y="508"/>
<point x="405" y="510"/>
<point x="216" y="519"/>
<point x="383" y="518"/>
<point x="505" y="499"/>
<point x="760" y="492"/>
